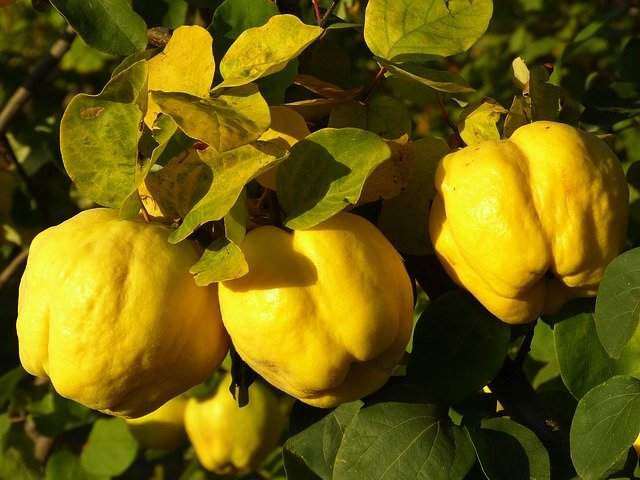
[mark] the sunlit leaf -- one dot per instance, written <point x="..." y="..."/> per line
<point x="604" y="426"/>
<point x="385" y="116"/>
<point x="478" y="123"/>
<point x="65" y="465"/>
<point x="110" y="26"/>
<point x="190" y="49"/>
<point x="221" y="180"/>
<point x="99" y="137"/>
<point x="222" y="260"/>
<point x="404" y="219"/>
<point x="236" y="117"/>
<point x="404" y="29"/>
<point x="264" y="50"/>
<point x="333" y="165"/>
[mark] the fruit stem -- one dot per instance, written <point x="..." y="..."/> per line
<point x="143" y="210"/>
<point x="374" y="83"/>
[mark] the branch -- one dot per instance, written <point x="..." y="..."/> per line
<point x="13" y="268"/>
<point x="37" y="75"/>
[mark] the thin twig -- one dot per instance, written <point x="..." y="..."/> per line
<point x="13" y="268"/>
<point x="316" y="7"/>
<point x="458" y="141"/>
<point x="374" y="83"/>
<point x="41" y="70"/>
<point x="328" y="13"/>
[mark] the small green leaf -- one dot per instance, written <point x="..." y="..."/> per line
<point x="222" y="260"/>
<point x="99" y="137"/>
<point x="325" y="172"/>
<point x="618" y="303"/>
<point x="384" y="115"/>
<point x="233" y="17"/>
<point x="507" y="450"/>
<point x="315" y="436"/>
<point x="440" y="80"/>
<point x="520" y="72"/>
<point x="458" y="346"/>
<point x="236" y="117"/>
<point x="404" y="219"/>
<point x="605" y="425"/>
<point x="65" y="465"/>
<point x="519" y="115"/>
<point x="403" y="29"/>
<point x="261" y="51"/>
<point x="110" y="448"/>
<point x="610" y="104"/>
<point x="8" y="383"/>
<point x="228" y="172"/>
<point x="400" y="434"/>
<point x="478" y="123"/>
<point x="110" y="26"/>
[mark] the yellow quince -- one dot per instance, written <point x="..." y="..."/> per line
<point x="108" y="310"/>
<point x="162" y="429"/>
<point x="528" y="223"/>
<point x="325" y="313"/>
<point x="228" y="439"/>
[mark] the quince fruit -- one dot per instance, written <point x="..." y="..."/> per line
<point x="162" y="429"/>
<point x="108" y="310"/>
<point x="528" y="223"/>
<point x="228" y="439"/>
<point x="325" y="313"/>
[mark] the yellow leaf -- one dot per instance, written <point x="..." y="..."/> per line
<point x="261" y="51"/>
<point x="186" y="65"/>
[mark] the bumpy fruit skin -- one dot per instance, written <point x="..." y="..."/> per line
<point x="324" y="314"/>
<point x="108" y="311"/>
<point x="228" y="439"/>
<point x="528" y="223"/>
<point x="162" y="429"/>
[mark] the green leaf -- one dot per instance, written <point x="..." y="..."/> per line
<point x="458" y="346"/>
<point x="618" y="303"/>
<point x="439" y="80"/>
<point x="234" y="118"/>
<point x="99" y="137"/>
<point x="545" y="97"/>
<point x="605" y="424"/>
<point x="17" y="460"/>
<point x="403" y="29"/>
<point x="385" y="116"/>
<point x="584" y="363"/>
<point x="400" y="434"/>
<point x="610" y="104"/>
<point x="261" y="51"/>
<point x="222" y="260"/>
<point x="110" y="26"/>
<point x="331" y="165"/>
<point x="519" y="115"/>
<point x="478" y="123"/>
<point x="221" y="182"/>
<point x="110" y="448"/>
<point x="233" y="17"/>
<point x="507" y="450"/>
<point x="404" y="219"/>
<point x="315" y="436"/>
<point x="65" y="465"/>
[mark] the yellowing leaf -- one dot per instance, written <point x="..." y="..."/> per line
<point x="221" y="178"/>
<point x="261" y="51"/>
<point x="478" y="122"/>
<point x="393" y="175"/>
<point x="222" y="260"/>
<point x="401" y="29"/>
<point x="186" y="65"/>
<point x="236" y="117"/>
<point x="287" y="127"/>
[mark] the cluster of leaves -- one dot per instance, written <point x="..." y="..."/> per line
<point x="349" y="108"/>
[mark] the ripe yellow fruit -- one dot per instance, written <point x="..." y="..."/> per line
<point x="162" y="429"/>
<point x="228" y="439"/>
<point x="528" y="223"/>
<point x="108" y="310"/>
<point x="324" y="314"/>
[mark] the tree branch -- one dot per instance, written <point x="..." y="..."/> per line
<point x="13" y="268"/>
